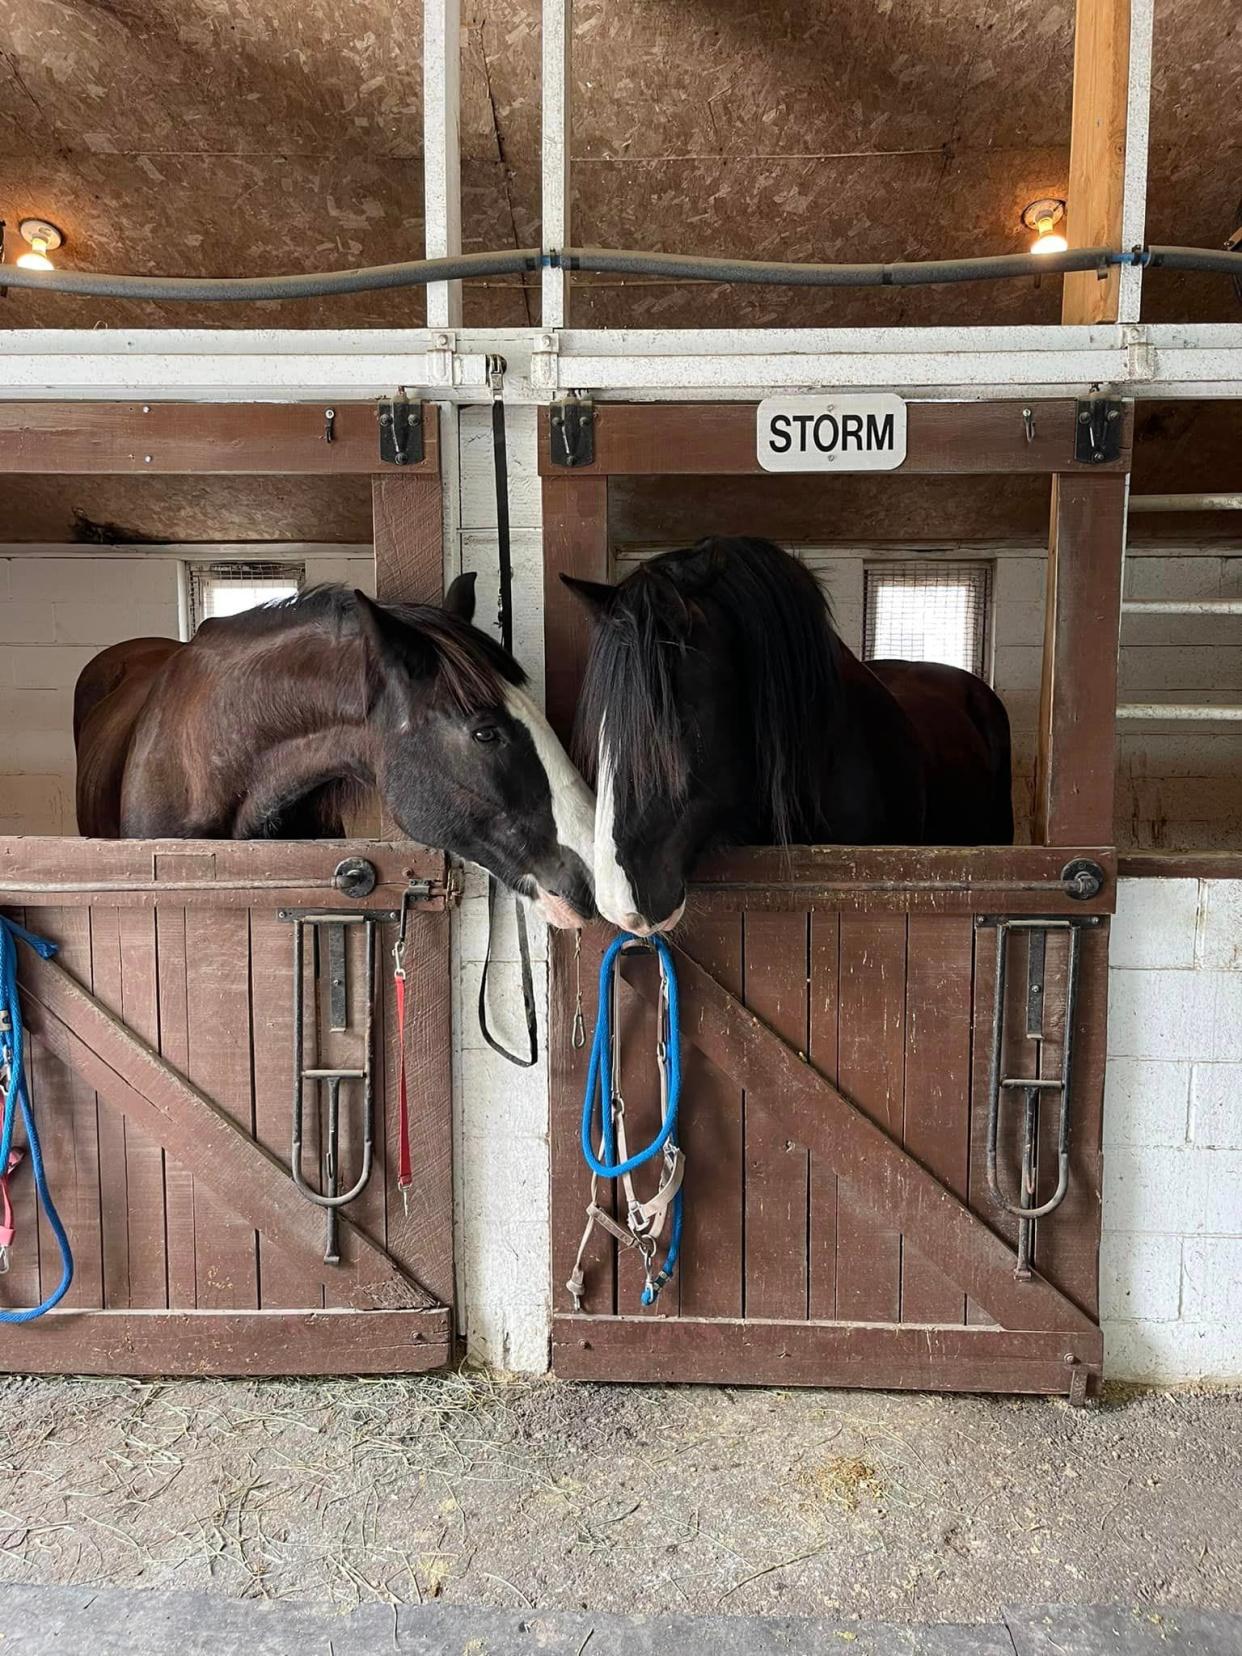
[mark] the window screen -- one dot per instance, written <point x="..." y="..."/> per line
<point x="228" y="588"/>
<point x="928" y="611"/>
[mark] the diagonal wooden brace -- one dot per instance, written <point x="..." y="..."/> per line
<point x="171" y="1111"/>
<point x="887" y="1179"/>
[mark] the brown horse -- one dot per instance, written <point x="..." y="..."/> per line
<point x="269" y="723"/>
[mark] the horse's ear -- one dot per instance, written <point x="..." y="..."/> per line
<point x="391" y="642"/>
<point x="459" y="599"/>
<point x="596" y="595"/>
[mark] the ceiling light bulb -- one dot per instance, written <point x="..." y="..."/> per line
<point x="1046" y="241"/>
<point x="37" y="259"/>
<point x="43" y="238"/>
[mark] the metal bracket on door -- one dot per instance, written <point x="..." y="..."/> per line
<point x="1027" y="1208"/>
<point x="328" y="931"/>
<point x="1097" y="431"/>
<point x="571" y="432"/>
<point x="400" y="431"/>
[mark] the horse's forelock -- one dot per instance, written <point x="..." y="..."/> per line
<point x="787" y="650"/>
<point x="474" y="669"/>
<point x="628" y="689"/>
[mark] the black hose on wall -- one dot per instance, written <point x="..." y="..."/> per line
<point x="604" y="261"/>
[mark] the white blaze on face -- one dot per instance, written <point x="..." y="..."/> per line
<point x="573" y="809"/>
<point x="614" y="895"/>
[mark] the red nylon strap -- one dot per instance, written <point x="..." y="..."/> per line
<point x="7" y="1231"/>
<point x="405" y="1172"/>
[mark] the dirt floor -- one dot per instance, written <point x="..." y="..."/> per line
<point x="532" y="1494"/>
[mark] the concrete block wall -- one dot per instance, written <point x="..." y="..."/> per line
<point x="60" y="605"/>
<point x="1171" y="1257"/>
<point x="500" y="1111"/>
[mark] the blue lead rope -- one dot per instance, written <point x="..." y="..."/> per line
<point x="12" y="1044"/>
<point x="598" y="1095"/>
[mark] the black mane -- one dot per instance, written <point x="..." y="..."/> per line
<point x="786" y="652"/>
<point x="475" y="667"/>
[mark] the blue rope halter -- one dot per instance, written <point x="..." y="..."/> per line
<point x="12" y="1052"/>
<point x="599" y="1097"/>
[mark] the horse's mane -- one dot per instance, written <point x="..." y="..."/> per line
<point x="786" y="652"/>
<point x="474" y="667"/>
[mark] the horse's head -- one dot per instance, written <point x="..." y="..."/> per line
<point x="702" y="710"/>
<point x="659" y="721"/>
<point x="466" y="761"/>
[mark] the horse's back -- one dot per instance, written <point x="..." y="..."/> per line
<point x="109" y="697"/>
<point x="964" y="729"/>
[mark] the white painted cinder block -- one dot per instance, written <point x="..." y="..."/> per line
<point x="48" y="666"/>
<point x="1156" y="923"/>
<point x="1216" y="1108"/>
<point x="1223" y="1209"/>
<point x="1146" y="1102"/>
<point x="1140" y="1277"/>
<point x="26" y="622"/>
<point x="1161" y="1014"/>
<point x="1226" y="1015"/>
<point x="1220" y="926"/>
<point x="1212" y="1280"/>
<point x="1171" y="1352"/>
<point x="1164" y="1194"/>
<point x="1174" y="1027"/>
<point x="502" y="1190"/>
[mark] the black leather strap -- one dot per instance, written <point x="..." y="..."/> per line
<point x="500" y="458"/>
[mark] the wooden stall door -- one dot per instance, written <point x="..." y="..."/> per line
<point x="161" y="1066"/>
<point x="839" y="1229"/>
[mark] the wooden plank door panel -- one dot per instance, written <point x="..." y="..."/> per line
<point x="800" y="1029"/>
<point x="161" y="1065"/>
<point x="711" y="1271"/>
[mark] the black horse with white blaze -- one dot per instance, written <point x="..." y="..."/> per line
<point x="720" y="707"/>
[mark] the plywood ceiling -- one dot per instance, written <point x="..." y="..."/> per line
<point x="220" y="136"/>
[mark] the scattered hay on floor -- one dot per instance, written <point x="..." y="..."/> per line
<point x="846" y="1480"/>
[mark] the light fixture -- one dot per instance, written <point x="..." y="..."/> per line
<point x="1040" y="216"/>
<point x="44" y="238"/>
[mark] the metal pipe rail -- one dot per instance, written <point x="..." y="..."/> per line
<point x="1189" y="711"/>
<point x="1186" y="503"/>
<point x="601" y="261"/>
<point x="1181" y="606"/>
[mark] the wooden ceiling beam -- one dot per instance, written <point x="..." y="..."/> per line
<point x="1095" y="205"/>
<point x="159" y="438"/>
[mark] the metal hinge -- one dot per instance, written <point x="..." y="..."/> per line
<point x="400" y="431"/>
<point x="572" y="432"/>
<point x="1097" y="431"/>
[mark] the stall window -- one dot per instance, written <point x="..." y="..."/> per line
<point x="227" y="588"/>
<point x="928" y="611"/>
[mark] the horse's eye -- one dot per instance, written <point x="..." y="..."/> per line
<point x="487" y="734"/>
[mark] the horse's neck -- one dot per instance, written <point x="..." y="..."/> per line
<point x="288" y="773"/>
<point x="308" y="727"/>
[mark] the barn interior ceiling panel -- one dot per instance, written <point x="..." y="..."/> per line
<point x="245" y="138"/>
<point x="1196" y="69"/>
